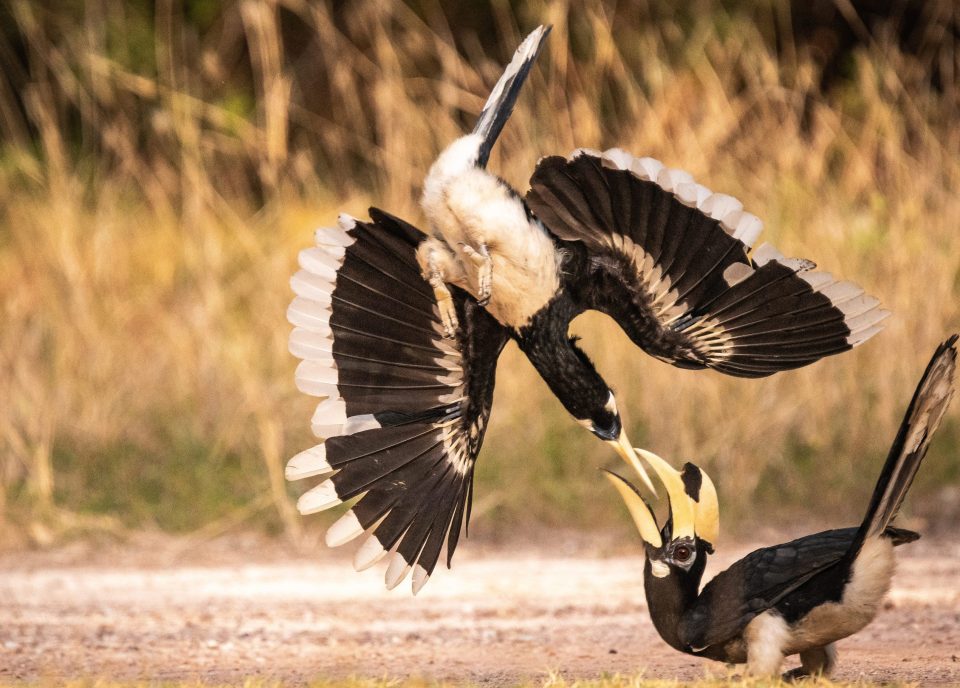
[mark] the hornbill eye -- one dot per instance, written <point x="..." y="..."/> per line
<point x="682" y="553"/>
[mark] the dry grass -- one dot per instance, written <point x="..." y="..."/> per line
<point x="150" y="216"/>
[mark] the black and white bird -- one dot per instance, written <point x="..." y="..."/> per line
<point x="800" y="597"/>
<point x="400" y="330"/>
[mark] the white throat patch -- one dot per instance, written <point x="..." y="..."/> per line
<point x="659" y="569"/>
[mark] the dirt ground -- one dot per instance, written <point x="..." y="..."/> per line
<point x="228" y="613"/>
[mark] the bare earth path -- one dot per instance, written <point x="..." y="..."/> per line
<point x="499" y="616"/>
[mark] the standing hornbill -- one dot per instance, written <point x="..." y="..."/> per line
<point x="798" y="597"/>
<point x="400" y="331"/>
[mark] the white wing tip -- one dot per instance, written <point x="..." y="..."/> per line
<point x="858" y="338"/>
<point x="346" y="222"/>
<point x="346" y="528"/>
<point x="420" y="578"/>
<point x="725" y="209"/>
<point x="316" y="379"/>
<point x="335" y="238"/>
<point x="308" y="463"/>
<point x="323" y="496"/>
<point x="397" y="570"/>
<point x="368" y="554"/>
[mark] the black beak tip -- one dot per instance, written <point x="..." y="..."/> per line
<point x="605" y="435"/>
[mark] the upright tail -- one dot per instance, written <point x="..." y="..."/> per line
<point x="921" y="421"/>
<point x="500" y="104"/>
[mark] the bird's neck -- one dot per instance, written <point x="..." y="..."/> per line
<point x="668" y="598"/>
<point x="563" y="366"/>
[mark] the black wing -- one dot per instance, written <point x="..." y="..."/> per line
<point x="672" y="263"/>
<point x="760" y="581"/>
<point x="405" y="410"/>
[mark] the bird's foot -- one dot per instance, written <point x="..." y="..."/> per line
<point x="795" y="675"/>
<point x="448" y="312"/>
<point x="439" y="266"/>
<point x="482" y="261"/>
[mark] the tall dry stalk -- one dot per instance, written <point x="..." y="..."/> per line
<point x="156" y="183"/>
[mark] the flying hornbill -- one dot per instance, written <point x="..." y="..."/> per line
<point x="798" y="597"/>
<point x="400" y="331"/>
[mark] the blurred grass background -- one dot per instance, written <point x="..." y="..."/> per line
<point x="162" y="163"/>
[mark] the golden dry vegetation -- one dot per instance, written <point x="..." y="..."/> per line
<point x="160" y="171"/>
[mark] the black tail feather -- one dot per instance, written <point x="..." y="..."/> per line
<point x="929" y="403"/>
<point x="499" y="106"/>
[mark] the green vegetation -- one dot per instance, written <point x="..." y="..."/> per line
<point x="159" y="173"/>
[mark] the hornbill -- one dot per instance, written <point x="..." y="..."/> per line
<point x="400" y="331"/>
<point x="798" y="597"/>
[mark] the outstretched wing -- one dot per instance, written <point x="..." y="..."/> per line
<point x="672" y="263"/>
<point x="760" y="581"/>
<point x="404" y="410"/>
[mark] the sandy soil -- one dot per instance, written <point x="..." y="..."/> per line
<point x="498" y="616"/>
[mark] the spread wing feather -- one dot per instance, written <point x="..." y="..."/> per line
<point x="404" y="410"/>
<point x="674" y="264"/>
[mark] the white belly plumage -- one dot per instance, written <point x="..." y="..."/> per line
<point x="872" y="573"/>
<point x="468" y="208"/>
<point x="768" y="638"/>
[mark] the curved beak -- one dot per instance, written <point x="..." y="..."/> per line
<point x="626" y="451"/>
<point x="639" y="510"/>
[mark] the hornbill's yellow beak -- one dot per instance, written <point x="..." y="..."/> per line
<point x="694" y="507"/>
<point x="640" y="511"/>
<point x="628" y="453"/>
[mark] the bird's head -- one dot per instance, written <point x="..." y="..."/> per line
<point x="693" y="523"/>
<point x="604" y="418"/>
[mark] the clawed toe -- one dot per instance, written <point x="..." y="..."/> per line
<point x="448" y="312"/>
<point x="795" y="675"/>
<point x="482" y="261"/>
